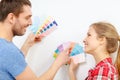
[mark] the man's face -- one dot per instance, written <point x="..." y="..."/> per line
<point x="22" y="21"/>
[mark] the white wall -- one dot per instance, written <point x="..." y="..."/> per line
<point x="73" y="18"/>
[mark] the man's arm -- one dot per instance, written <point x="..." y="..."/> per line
<point x="29" y="42"/>
<point x="62" y="59"/>
<point x="28" y="74"/>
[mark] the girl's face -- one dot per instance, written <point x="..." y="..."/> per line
<point x="91" y="42"/>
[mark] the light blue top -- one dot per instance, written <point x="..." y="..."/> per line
<point x="12" y="60"/>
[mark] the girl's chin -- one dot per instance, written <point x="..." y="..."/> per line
<point x="86" y="51"/>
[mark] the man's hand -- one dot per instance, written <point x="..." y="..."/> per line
<point x="30" y="41"/>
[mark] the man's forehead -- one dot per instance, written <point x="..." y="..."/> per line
<point x="26" y="10"/>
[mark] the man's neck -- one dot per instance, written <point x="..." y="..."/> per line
<point x="6" y="31"/>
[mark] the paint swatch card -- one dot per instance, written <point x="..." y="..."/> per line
<point x="36" y="22"/>
<point x="43" y="26"/>
<point x="76" y="53"/>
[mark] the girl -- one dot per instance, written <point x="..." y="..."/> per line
<point x="102" y="40"/>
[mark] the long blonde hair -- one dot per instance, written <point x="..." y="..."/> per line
<point x="107" y="30"/>
<point x="117" y="62"/>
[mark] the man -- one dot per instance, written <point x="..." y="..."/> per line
<point x="15" y="17"/>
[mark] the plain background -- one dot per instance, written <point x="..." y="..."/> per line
<point x="73" y="18"/>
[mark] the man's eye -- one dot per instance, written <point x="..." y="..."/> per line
<point x="27" y="18"/>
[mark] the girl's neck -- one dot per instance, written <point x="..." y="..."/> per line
<point x="101" y="56"/>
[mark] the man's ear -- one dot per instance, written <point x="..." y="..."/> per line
<point x="11" y="18"/>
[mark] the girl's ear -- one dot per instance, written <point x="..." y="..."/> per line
<point x="102" y="40"/>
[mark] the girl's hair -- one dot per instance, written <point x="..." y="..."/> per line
<point x="117" y="63"/>
<point x="107" y="30"/>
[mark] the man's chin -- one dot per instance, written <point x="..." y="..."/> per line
<point x="20" y="34"/>
<point x="23" y="32"/>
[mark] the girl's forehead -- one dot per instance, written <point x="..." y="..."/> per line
<point x="91" y="29"/>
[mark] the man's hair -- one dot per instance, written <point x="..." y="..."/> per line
<point x="12" y="6"/>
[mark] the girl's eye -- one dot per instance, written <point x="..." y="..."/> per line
<point x="88" y="35"/>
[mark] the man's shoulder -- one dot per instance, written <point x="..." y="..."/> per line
<point x="8" y="49"/>
<point x="7" y="46"/>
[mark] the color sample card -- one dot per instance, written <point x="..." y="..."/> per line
<point x="76" y="52"/>
<point x="44" y="26"/>
<point x="36" y="22"/>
